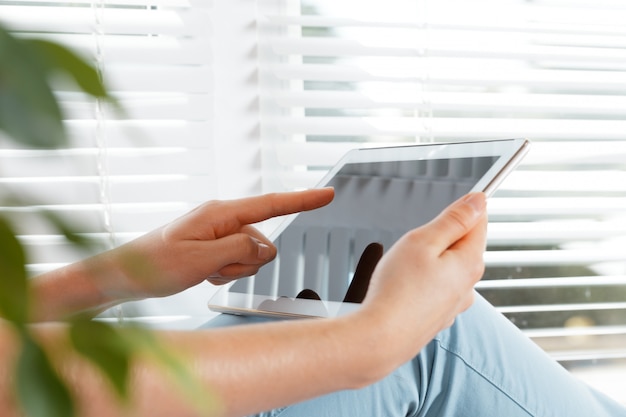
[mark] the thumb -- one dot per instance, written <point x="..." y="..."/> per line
<point x="457" y="220"/>
<point x="240" y="255"/>
<point x="241" y="248"/>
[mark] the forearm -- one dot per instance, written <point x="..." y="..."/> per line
<point x="75" y="288"/>
<point x="247" y="368"/>
<point x="253" y="368"/>
<point x="281" y="363"/>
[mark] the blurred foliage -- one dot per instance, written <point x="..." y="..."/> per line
<point x="31" y="116"/>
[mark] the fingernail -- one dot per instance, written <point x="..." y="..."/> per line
<point x="264" y="252"/>
<point x="478" y="201"/>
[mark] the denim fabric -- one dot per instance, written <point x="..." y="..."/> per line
<point x="482" y="366"/>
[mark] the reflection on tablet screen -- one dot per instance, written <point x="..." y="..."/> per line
<point x="374" y="202"/>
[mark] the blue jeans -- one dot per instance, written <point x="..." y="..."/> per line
<point x="481" y="366"/>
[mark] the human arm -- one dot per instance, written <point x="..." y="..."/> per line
<point x="417" y="289"/>
<point x="216" y="241"/>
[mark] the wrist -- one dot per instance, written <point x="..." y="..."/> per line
<point x="374" y="347"/>
<point x="397" y="336"/>
<point x="90" y="285"/>
<point x="58" y="294"/>
<point x="111" y="274"/>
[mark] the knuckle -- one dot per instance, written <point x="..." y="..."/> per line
<point x="477" y="269"/>
<point x="273" y="199"/>
<point x="212" y="205"/>
<point x="414" y="236"/>
<point x="457" y="218"/>
<point x="244" y="241"/>
<point x="207" y="208"/>
<point x="419" y="243"/>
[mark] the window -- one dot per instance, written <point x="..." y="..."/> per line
<point x="314" y="78"/>
<point x="334" y="75"/>
<point x="188" y="97"/>
<point x="121" y="175"/>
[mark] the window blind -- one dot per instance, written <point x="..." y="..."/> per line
<point x="122" y="174"/>
<point x="337" y="75"/>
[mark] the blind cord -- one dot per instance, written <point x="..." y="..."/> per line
<point x="101" y="142"/>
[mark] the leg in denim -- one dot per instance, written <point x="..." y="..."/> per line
<point x="482" y="366"/>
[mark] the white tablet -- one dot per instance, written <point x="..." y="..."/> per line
<point x="380" y="194"/>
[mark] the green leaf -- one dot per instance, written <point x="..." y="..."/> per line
<point x="106" y="348"/>
<point x="65" y="227"/>
<point x="29" y="111"/>
<point x="40" y="390"/>
<point x="13" y="277"/>
<point x="66" y="62"/>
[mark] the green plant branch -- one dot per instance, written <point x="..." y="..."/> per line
<point x="31" y="116"/>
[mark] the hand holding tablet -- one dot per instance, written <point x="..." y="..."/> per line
<point x="380" y="194"/>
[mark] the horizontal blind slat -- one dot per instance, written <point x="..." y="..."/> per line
<point x="146" y="107"/>
<point x="553" y="282"/>
<point x="556" y="207"/>
<point x="120" y="21"/>
<point x="605" y="81"/>
<point x="139" y="50"/>
<point x="579" y="153"/>
<point x="132" y="133"/>
<point x="512" y="21"/>
<point x="452" y="127"/>
<point x="174" y="79"/>
<point x="89" y="218"/>
<point x="123" y="189"/>
<point x="565" y="106"/>
<point x="561" y="307"/>
<point x="348" y="48"/>
<point x="553" y="232"/>
<point x="86" y="3"/>
<point x="554" y="257"/>
<point x="160" y="162"/>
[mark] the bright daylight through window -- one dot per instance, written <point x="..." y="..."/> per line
<point x="303" y="81"/>
<point x="122" y="174"/>
<point x="340" y="74"/>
